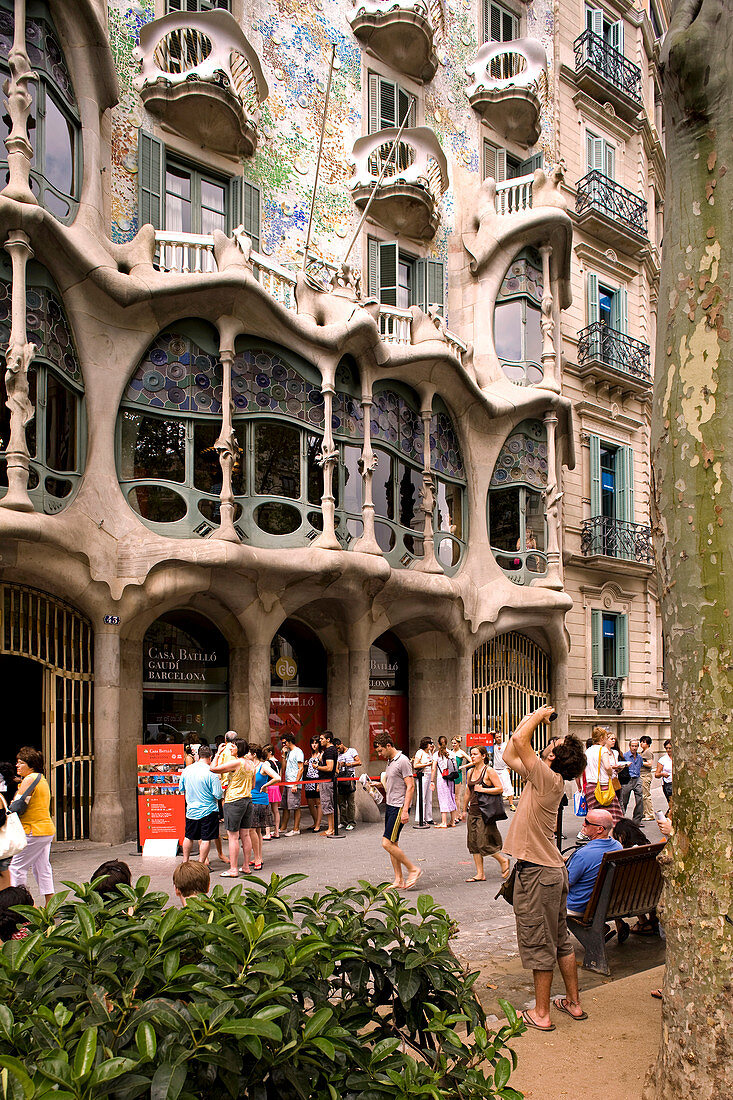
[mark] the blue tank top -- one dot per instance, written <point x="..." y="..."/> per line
<point x="260" y="797"/>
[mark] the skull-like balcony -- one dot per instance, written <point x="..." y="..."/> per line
<point x="409" y="182"/>
<point x="199" y="75"/>
<point x="507" y="85"/>
<point x="400" y="32"/>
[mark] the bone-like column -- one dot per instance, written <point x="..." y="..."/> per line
<point x="553" y="497"/>
<point x="226" y="444"/>
<point x="428" y="563"/>
<point x="547" y="324"/>
<point x="328" y="459"/>
<point x="367" y="542"/>
<point x="17" y="143"/>
<point x="17" y="360"/>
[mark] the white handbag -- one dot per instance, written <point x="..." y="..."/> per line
<point x="12" y="837"/>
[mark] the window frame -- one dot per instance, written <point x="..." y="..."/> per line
<point x="427" y="277"/>
<point x="621" y="644"/>
<point x="504" y="12"/>
<point x="600" y="155"/>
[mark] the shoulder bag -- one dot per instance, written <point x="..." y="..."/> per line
<point x="603" y="798"/>
<point x="12" y="834"/>
<point x="450" y="773"/>
<point x="490" y="805"/>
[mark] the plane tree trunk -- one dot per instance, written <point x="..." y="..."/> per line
<point x="692" y="470"/>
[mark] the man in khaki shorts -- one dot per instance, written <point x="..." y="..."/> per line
<point x="541" y="886"/>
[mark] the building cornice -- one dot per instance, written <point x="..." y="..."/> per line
<point x="606" y="261"/>
<point x="592" y="411"/>
<point x="604" y="114"/>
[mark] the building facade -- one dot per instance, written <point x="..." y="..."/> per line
<point x="327" y="337"/>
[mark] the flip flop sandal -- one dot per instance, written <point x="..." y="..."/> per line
<point x="657" y="994"/>
<point x="527" y="1019"/>
<point x="257" y="866"/>
<point x="229" y="874"/>
<point x="558" y="1003"/>
<point x="475" y="880"/>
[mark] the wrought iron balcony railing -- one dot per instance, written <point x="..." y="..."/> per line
<point x="615" y="538"/>
<point x="597" y="192"/>
<point x="593" y="51"/>
<point x="599" y="343"/>
<point x="609" y="695"/>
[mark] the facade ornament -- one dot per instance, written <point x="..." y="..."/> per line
<point x="346" y="279"/>
<point x="553" y="497"/>
<point x="17" y="143"/>
<point x="328" y="460"/>
<point x="18" y="360"/>
<point x="367" y="542"/>
<point x="228" y="451"/>
<point x="428" y="563"/>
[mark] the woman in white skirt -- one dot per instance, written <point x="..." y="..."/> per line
<point x="32" y="803"/>
<point x="502" y="770"/>
<point x="444" y="763"/>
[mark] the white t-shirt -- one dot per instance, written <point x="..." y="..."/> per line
<point x="423" y="758"/>
<point x="295" y="759"/>
<point x="499" y="765"/>
<point x="666" y="761"/>
<point x="591" y="767"/>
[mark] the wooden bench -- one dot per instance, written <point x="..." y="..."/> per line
<point x="629" y="884"/>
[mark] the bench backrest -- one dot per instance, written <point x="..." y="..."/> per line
<point x="636" y="882"/>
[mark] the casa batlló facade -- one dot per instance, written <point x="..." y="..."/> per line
<point x="327" y="338"/>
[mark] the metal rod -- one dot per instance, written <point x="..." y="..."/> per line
<point x="377" y="185"/>
<point x="320" y="153"/>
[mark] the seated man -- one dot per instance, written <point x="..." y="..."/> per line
<point x="585" y="862"/>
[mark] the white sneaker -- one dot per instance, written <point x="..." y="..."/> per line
<point x="292" y="832"/>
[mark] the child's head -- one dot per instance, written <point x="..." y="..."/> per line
<point x="109" y="875"/>
<point x="191" y="878"/>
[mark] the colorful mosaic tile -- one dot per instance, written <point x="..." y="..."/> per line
<point x="47" y="328"/>
<point x="523" y="458"/>
<point x="444" y="448"/>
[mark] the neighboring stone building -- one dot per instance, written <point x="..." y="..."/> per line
<point x="389" y="485"/>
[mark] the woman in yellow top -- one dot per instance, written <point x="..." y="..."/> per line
<point x="238" y="804"/>
<point x="32" y="804"/>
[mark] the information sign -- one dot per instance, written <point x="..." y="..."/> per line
<point x="161" y="807"/>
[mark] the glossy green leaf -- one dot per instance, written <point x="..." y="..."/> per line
<point x="85" y="1053"/>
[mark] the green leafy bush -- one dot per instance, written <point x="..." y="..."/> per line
<point x="346" y="995"/>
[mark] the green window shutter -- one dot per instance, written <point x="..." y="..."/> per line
<point x="593" y="311"/>
<point x="494" y="23"/>
<point x="595" y="475"/>
<point x="387" y="104"/>
<point x="234" y="212"/>
<point x="617" y="36"/>
<point x="620" y="310"/>
<point x="436" y="285"/>
<point x="388" y="262"/>
<point x="596" y="644"/>
<point x="625" y="484"/>
<point x="530" y="165"/>
<point x="622" y="645"/>
<point x="374" y="123"/>
<point x="421" y="285"/>
<point x="372" y="267"/>
<point x="150" y="176"/>
<point x="250" y="207"/>
<point x="596" y="21"/>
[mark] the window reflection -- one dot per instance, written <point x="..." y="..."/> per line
<point x="152" y="447"/>
<point x="382" y="487"/>
<point x="206" y="464"/>
<point x="409" y="484"/>
<point x="352" y="479"/>
<point x="157" y="503"/>
<point x="61" y="405"/>
<point x="60" y="137"/>
<point x="504" y="518"/>
<point x="450" y="509"/>
<point x="517" y="528"/>
<point x="508" y="330"/>
<point x="277" y="460"/>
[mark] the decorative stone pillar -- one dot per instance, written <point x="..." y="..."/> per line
<point x="226" y="445"/>
<point x="18" y="359"/>
<point x="553" y="497"/>
<point x="108" y="818"/>
<point x="550" y="377"/>
<point x="428" y="563"/>
<point x="17" y="143"/>
<point x="328" y="459"/>
<point x="259" y="694"/>
<point x="367" y="542"/>
<point x="359" y="703"/>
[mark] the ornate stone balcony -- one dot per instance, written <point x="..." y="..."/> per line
<point x="611" y="212"/>
<point x="615" y="538"/>
<point x="413" y="179"/>
<point x="608" y="693"/>
<point x="401" y="33"/>
<point x="606" y="74"/>
<point x="506" y="89"/>
<point x="199" y="75"/>
<point x="613" y="357"/>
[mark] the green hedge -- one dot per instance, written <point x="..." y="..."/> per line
<point x="345" y="995"/>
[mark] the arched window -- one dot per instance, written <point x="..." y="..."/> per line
<point x="450" y="480"/>
<point x="516" y="507"/>
<point x="517" y="333"/>
<point x="55" y="435"/>
<point x="54" y="126"/>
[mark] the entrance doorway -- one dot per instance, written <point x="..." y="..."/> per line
<point x="511" y="677"/>
<point x="388" y="686"/>
<point x="46" y="678"/>
<point x="297" y="685"/>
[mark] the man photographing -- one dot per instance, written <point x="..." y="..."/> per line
<point x="541" y="886"/>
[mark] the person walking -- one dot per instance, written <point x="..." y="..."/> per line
<point x="293" y="760"/>
<point x="502" y="771"/>
<point x="312" y="790"/>
<point x="423" y="764"/>
<point x="202" y="790"/>
<point x="32" y="804"/>
<point x="541" y="885"/>
<point x="647" y="769"/>
<point x="348" y="762"/>
<point x="634" y="762"/>
<point x="462" y="761"/>
<point x="237" y="806"/>
<point x="601" y="763"/>
<point x="399" y="788"/>
<point x="483" y="837"/>
<point x="444" y="765"/>
<point x="264" y="776"/>
<point x="327" y="769"/>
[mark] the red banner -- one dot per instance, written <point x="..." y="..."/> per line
<point x="302" y="714"/>
<point x="161" y="806"/>
<point x="388" y="714"/>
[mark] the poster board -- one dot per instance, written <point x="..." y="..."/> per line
<point x="161" y="807"/>
<point x="388" y="714"/>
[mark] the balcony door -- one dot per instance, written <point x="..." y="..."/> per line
<point x="600" y="155"/>
<point x="611" y="31"/>
<point x="401" y="280"/>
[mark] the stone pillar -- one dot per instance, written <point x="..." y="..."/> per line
<point x="131" y="726"/>
<point x="359" y="703"/>
<point x="18" y="359"/>
<point x="17" y="143"/>
<point x="550" y="377"/>
<point x="226" y="444"/>
<point x="433" y="708"/>
<point x="108" y="819"/>
<point x="327" y="459"/>
<point x="367" y="542"/>
<point x="239" y="690"/>
<point x="338" y="701"/>
<point x="259" y="693"/>
<point x="559" y="686"/>
<point x="553" y="496"/>
<point x="464" y="695"/>
<point x="428" y="563"/>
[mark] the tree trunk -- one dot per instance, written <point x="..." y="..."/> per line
<point x="692" y="469"/>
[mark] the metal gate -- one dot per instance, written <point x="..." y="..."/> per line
<point x="511" y="677"/>
<point x="44" y="629"/>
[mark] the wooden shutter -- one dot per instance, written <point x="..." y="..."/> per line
<point x="150" y="176"/>
<point x="608" y="164"/>
<point x="436" y="285"/>
<point x="234" y="200"/>
<point x="616" y="37"/>
<point x="373" y="120"/>
<point x="596" y="643"/>
<point x="595" y="153"/>
<point x="595" y="475"/>
<point x="530" y="165"/>
<point x="388" y="262"/>
<point x="594" y="19"/>
<point x="622" y="645"/>
<point x="620" y="310"/>
<point x="387" y="104"/>
<point x="593" y="308"/>
<point x="406" y="105"/>
<point x="372" y="267"/>
<point x="251" y="212"/>
<point x="625" y="484"/>
<point x="494" y="162"/>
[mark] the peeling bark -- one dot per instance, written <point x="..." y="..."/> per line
<point x="692" y="469"/>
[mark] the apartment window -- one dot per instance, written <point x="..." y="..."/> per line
<point x="500" y="24"/>
<point x="501" y="165"/>
<point x="609" y="644"/>
<point x="600" y="155"/>
<point x="197" y="5"/>
<point x="656" y="21"/>
<point x="607" y="304"/>
<point x="611" y="480"/>
<point x="181" y="197"/>
<point x="388" y="104"/>
<point x="611" y="31"/>
<point x="399" y="279"/>
<point x="517" y="314"/>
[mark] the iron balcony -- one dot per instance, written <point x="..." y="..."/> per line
<point x="607" y="74"/>
<point x="610" y="211"/>
<point x="609" y="695"/>
<point x="605" y="351"/>
<point x="616" y="538"/>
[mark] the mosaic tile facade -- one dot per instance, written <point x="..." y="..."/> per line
<point x="523" y="458"/>
<point x="47" y="328"/>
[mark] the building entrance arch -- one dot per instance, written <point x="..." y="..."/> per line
<point x="46" y="680"/>
<point x="297" y="684"/>
<point x="388" y="691"/>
